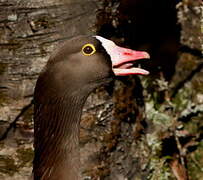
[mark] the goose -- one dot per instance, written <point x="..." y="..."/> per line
<point x="72" y="72"/>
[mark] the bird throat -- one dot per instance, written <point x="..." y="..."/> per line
<point x="57" y="139"/>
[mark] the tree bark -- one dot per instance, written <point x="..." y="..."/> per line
<point x="139" y="127"/>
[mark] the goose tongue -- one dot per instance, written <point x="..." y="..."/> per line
<point x="122" y="61"/>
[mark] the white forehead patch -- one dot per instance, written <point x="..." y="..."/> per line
<point x="107" y="44"/>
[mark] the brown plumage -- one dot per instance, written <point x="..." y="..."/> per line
<point x="71" y="74"/>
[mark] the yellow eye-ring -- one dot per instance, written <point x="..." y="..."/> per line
<point x="88" y="49"/>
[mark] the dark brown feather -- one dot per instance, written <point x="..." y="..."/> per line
<point x="60" y="94"/>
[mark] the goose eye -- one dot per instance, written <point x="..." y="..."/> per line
<point x="88" y="49"/>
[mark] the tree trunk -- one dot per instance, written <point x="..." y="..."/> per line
<point x="138" y="127"/>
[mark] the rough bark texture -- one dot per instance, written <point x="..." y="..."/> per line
<point x="138" y="128"/>
<point x="29" y="32"/>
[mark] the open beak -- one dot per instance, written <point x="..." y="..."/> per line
<point x="122" y="58"/>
